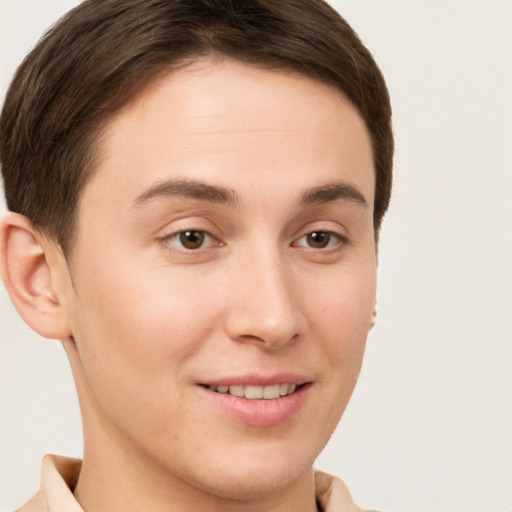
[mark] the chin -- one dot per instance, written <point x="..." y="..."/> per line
<point x="254" y="483"/>
<point x="255" y="473"/>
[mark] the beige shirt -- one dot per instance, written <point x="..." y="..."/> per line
<point x="60" y="475"/>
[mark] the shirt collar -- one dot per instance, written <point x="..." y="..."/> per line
<point x="59" y="476"/>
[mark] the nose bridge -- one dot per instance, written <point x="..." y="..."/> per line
<point x="266" y="310"/>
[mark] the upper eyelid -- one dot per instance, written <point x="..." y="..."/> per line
<point x="340" y="231"/>
<point x="185" y="230"/>
<point x="185" y="224"/>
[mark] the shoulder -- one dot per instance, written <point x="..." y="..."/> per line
<point x="36" y="504"/>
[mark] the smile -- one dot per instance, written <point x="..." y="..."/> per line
<point x="259" y="405"/>
<point x="256" y="392"/>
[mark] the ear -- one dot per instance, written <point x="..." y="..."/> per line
<point x="32" y="267"/>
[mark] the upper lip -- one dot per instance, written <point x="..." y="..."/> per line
<point x="258" y="380"/>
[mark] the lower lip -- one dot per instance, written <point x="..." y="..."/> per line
<point x="261" y="413"/>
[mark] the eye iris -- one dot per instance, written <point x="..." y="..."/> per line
<point x="192" y="239"/>
<point x="318" y="239"/>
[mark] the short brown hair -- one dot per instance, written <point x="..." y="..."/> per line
<point x="103" y="52"/>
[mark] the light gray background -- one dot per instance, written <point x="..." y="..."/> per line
<point x="430" y="424"/>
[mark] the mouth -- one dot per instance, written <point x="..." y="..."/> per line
<point x="259" y="402"/>
<point x="255" y="392"/>
<point x="257" y="399"/>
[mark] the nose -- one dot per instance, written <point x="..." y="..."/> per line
<point x="265" y="306"/>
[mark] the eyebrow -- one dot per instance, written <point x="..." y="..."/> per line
<point x="191" y="189"/>
<point x="332" y="192"/>
<point x="220" y="195"/>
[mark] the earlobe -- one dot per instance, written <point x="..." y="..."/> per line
<point x="27" y="275"/>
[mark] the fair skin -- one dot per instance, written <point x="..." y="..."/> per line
<point x="225" y="238"/>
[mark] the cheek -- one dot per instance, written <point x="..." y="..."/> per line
<point x="341" y="321"/>
<point x="138" y="332"/>
<point x="136" y="340"/>
<point x="343" y="303"/>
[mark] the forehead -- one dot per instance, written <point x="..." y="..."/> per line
<point x="239" y="96"/>
<point x="228" y="121"/>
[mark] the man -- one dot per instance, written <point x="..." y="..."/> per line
<point x="195" y="192"/>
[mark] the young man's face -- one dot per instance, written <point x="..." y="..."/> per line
<point x="225" y="239"/>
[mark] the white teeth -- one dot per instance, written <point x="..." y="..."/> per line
<point x="256" y="392"/>
<point x="270" y="392"/>
<point x="237" y="390"/>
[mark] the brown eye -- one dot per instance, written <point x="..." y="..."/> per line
<point x="192" y="239"/>
<point x="318" y="239"/>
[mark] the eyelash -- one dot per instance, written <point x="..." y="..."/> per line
<point x="333" y="239"/>
<point x="168" y="239"/>
<point x="333" y="242"/>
